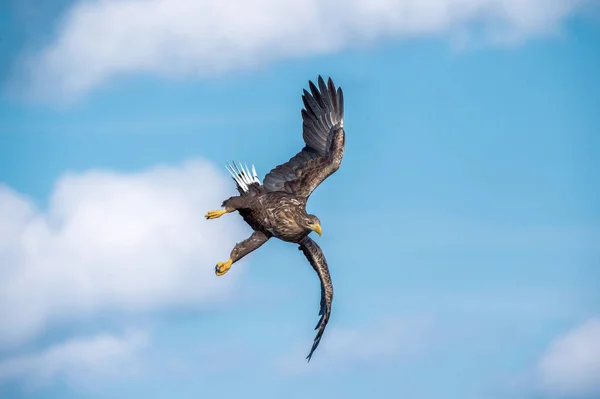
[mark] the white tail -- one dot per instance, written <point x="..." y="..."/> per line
<point x="242" y="175"/>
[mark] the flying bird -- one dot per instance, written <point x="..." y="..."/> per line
<point x="277" y="206"/>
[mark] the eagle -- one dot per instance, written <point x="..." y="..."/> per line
<point x="277" y="207"/>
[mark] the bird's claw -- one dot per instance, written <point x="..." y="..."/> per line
<point x="223" y="267"/>
<point x="215" y="214"/>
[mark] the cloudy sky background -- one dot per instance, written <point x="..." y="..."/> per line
<point x="462" y="231"/>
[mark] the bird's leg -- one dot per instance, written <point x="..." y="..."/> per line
<point x="223" y="267"/>
<point x="219" y="213"/>
<point x="240" y="250"/>
<point x="215" y="214"/>
<point x="229" y="205"/>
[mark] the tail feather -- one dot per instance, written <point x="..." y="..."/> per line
<point x="242" y="176"/>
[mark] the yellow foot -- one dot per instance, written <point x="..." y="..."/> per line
<point x="223" y="267"/>
<point x="215" y="214"/>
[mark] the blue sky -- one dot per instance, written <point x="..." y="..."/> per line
<point x="462" y="230"/>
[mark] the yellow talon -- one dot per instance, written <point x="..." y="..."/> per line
<point x="223" y="267"/>
<point x="215" y="214"/>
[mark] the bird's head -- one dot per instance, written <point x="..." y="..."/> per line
<point x="311" y="222"/>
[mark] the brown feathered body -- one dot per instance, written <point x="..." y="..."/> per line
<point x="277" y="214"/>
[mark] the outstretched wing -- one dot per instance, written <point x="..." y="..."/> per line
<point x="317" y="260"/>
<point x="323" y="133"/>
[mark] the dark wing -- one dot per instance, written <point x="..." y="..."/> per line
<point x="323" y="133"/>
<point x="317" y="260"/>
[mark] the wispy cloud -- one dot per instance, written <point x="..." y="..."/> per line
<point x="102" y="39"/>
<point x="113" y="242"/>
<point x="571" y="365"/>
<point x="79" y="362"/>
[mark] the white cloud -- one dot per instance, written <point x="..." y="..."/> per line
<point x="380" y="342"/>
<point x="113" y="242"/>
<point x="571" y="365"/>
<point x="80" y="362"/>
<point x="100" y="39"/>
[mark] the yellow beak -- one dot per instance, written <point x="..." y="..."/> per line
<point x="316" y="228"/>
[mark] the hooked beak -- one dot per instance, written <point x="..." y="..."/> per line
<point x="316" y="228"/>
